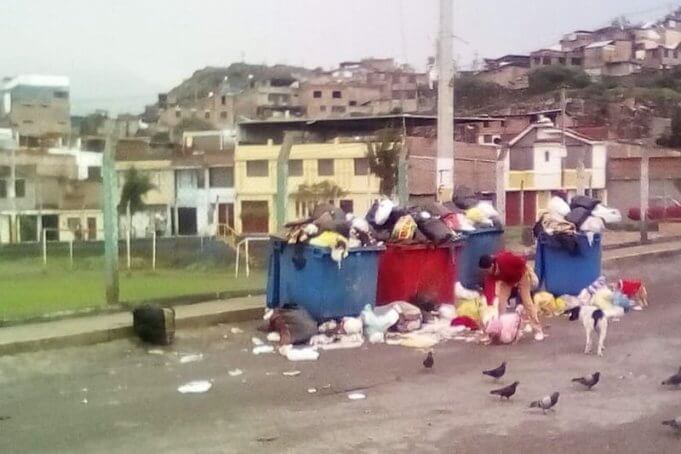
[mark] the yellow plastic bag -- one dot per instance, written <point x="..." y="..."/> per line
<point x="561" y="305"/>
<point x="546" y="303"/>
<point x="469" y="308"/>
<point x="603" y="299"/>
<point x="476" y="215"/>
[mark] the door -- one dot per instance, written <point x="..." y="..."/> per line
<point x="186" y="221"/>
<point x="50" y="224"/>
<point x="91" y="229"/>
<point x="513" y="208"/>
<point x="226" y="214"/>
<point x="255" y="217"/>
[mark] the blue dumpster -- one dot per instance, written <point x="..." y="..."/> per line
<point x="562" y="272"/>
<point x="478" y="243"/>
<point x="306" y="276"/>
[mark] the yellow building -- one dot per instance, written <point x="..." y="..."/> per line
<point x="255" y="172"/>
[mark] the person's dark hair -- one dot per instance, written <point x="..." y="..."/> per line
<point x="486" y="261"/>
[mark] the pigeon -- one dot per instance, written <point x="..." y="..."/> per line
<point x="589" y="382"/>
<point x="506" y="391"/>
<point x="673" y="423"/>
<point x="546" y="402"/>
<point x="674" y="380"/>
<point x="496" y="373"/>
<point x="429" y="362"/>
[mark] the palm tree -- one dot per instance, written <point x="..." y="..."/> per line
<point x="311" y="194"/>
<point x="383" y="155"/>
<point x="136" y="186"/>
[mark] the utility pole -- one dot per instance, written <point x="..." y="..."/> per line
<point x="14" y="233"/>
<point x="563" y="108"/>
<point x="403" y="169"/>
<point x="110" y="180"/>
<point x="290" y="138"/>
<point x="445" y="102"/>
<point x="645" y="192"/>
<point x="500" y="173"/>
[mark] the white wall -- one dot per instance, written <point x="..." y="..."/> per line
<point x="547" y="174"/>
<point x="599" y="157"/>
<point x="84" y="159"/>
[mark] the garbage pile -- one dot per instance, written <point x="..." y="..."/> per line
<point x="564" y="221"/>
<point x="299" y="338"/>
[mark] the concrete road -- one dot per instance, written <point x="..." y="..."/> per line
<point x="117" y="397"/>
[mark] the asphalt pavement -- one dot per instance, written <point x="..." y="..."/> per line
<point x="122" y="396"/>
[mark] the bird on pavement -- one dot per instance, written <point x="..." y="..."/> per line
<point x="429" y="362"/>
<point x="673" y="423"/>
<point x="506" y="391"/>
<point x="546" y="402"/>
<point x="496" y="373"/>
<point x="674" y="380"/>
<point x="589" y="382"/>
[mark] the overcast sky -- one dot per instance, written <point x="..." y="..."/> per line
<point x="120" y="53"/>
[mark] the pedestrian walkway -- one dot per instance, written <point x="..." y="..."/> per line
<point x="106" y="327"/>
<point x="642" y="251"/>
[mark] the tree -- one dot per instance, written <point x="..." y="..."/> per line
<point x="309" y="195"/>
<point x="673" y="138"/>
<point x="136" y="186"/>
<point x="549" y="78"/>
<point x="383" y="155"/>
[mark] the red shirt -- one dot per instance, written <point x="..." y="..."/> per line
<point x="510" y="267"/>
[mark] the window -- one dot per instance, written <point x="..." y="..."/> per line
<point x="317" y="94"/>
<point x="221" y="177"/>
<point x="547" y="156"/>
<point x="325" y="167"/>
<point x="411" y="94"/>
<point x="361" y="166"/>
<point x="207" y="115"/>
<point x="223" y="114"/>
<point x="676" y="54"/>
<point x="412" y="79"/>
<point x="295" y="168"/>
<point x="666" y="53"/>
<point x="537" y="60"/>
<point x="352" y="103"/>
<point x="3" y="189"/>
<point x="20" y="188"/>
<point x="347" y="206"/>
<point x="178" y="113"/>
<point x="322" y="108"/>
<point x="485" y="124"/>
<point x="259" y="168"/>
<point x="61" y="94"/>
<point x="223" y="100"/>
<point x="190" y="179"/>
<point x="546" y="60"/>
<point x="487" y="138"/>
<point x="562" y="60"/>
<point x="503" y="123"/>
<point x="338" y="109"/>
<point x="94" y="173"/>
<point x="576" y="61"/>
<point x="336" y="94"/>
<point x="27" y="122"/>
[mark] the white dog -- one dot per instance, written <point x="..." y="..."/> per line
<point x="595" y="322"/>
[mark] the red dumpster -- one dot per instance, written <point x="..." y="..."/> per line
<point x="405" y="271"/>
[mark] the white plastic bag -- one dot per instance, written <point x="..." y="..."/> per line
<point x="593" y="224"/>
<point x="609" y="215"/>
<point x="488" y="209"/>
<point x="385" y="207"/>
<point x="558" y="206"/>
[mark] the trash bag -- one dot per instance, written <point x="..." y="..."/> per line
<point x="410" y="317"/>
<point x="621" y="300"/>
<point x="382" y="213"/>
<point x="404" y="229"/>
<point x="609" y="215"/>
<point x="378" y="320"/>
<point x="505" y="329"/>
<point x="577" y="216"/>
<point x="294" y="325"/>
<point x="154" y="324"/>
<point x="437" y="209"/>
<point x="566" y="302"/>
<point x="458" y="222"/>
<point x="593" y="224"/>
<point x="582" y="201"/>
<point x="603" y="299"/>
<point x="558" y="206"/>
<point x="336" y="213"/>
<point x="487" y="209"/>
<point x="464" y="198"/>
<point x="469" y="308"/>
<point x="436" y="230"/>
<point x="476" y="215"/>
<point x="546" y="303"/>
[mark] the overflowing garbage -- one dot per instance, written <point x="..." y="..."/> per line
<point x="583" y="215"/>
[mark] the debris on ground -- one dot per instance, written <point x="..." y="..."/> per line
<point x="291" y="373"/>
<point x="273" y="337"/>
<point x="260" y="349"/>
<point x="236" y="330"/>
<point x="299" y="354"/>
<point x="257" y="341"/>
<point x="357" y="396"/>
<point x="311" y="390"/>
<point x="191" y="358"/>
<point x="195" y="387"/>
<point x="156" y="351"/>
<point x="235" y="372"/>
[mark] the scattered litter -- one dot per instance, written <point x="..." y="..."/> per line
<point x="273" y="337"/>
<point x="235" y="372"/>
<point x="299" y="354"/>
<point x="327" y="386"/>
<point x="156" y="351"/>
<point x="224" y="336"/>
<point x="236" y="330"/>
<point x="243" y="381"/>
<point x="191" y="358"/>
<point x="257" y="341"/>
<point x="260" y="349"/>
<point x="245" y="350"/>
<point x="84" y="401"/>
<point x="268" y="314"/>
<point x="195" y="387"/>
<point x="266" y="439"/>
<point x="84" y="390"/>
<point x="377" y="338"/>
<point x="311" y="390"/>
<point x="291" y="373"/>
<point x="357" y="396"/>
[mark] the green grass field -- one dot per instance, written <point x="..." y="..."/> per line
<point x="28" y="290"/>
